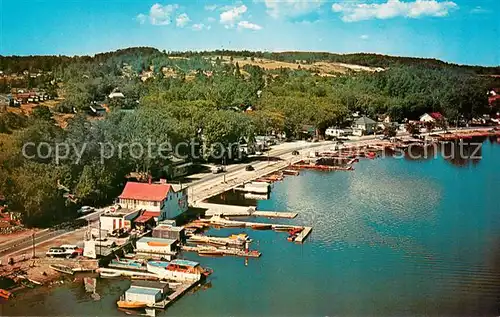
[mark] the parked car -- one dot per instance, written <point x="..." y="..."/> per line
<point x="218" y="169"/>
<point x="249" y="168"/>
<point x="56" y="252"/>
<point x="85" y="210"/>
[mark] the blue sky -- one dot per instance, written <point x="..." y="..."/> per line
<point x="459" y="31"/>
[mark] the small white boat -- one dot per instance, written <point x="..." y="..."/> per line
<point x="62" y="269"/>
<point x="109" y="274"/>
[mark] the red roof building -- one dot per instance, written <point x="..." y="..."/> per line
<point x="160" y="200"/>
<point x="145" y="191"/>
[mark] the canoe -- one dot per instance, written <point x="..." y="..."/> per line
<point x="62" y="268"/>
<point x="5" y="294"/>
<point x="130" y="305"/>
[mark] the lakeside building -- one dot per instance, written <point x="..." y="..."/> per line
<point x="363" y="126"/>
<point x="157" y="247"/>
<point x="162" y="198"/>
<point x="431" y="117"/>
<point x="120" y="219"/>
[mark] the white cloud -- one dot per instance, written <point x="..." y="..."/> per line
<point x="364" y="37"/>
<point x="231" y="16"/>
<point x="291" y="8"/>
<point x="249" y="25"/>
<point x="158" y="14"/>
<point x="182" y="20"/>
<point x="210" y="7"/>
<point x="200" y="27"/>
<point x="352" y="12"/>
<point x="142" y="18"/>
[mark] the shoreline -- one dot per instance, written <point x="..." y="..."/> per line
<point x="38" y="269"/>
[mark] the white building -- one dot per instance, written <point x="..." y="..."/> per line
<point x="159" y="247"/>
<point x="146" y="292"/>
<point x="430" y="117"/>
<point x="177" y="270"/>
<point x="161" y="198"/>
<point x="363" y="126"/>
<point x="118" y="219"/>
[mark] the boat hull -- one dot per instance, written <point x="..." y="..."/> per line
<point x="130" y="305"/>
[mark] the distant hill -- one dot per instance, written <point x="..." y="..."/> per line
<point x="16" y="64"/>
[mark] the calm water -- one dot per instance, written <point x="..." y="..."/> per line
<point x="394" y="237"/>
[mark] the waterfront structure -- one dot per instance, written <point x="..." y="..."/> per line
<point x="159" y="247"/>
<point x="336" y="132"/>
<point x="146" y="292"/>
<point x="169" y="232"/>
<point x="118" y="219"/>
<point x="162" y="198"/>
<point x="363" y="126"/>
<point x="431" y="117"/>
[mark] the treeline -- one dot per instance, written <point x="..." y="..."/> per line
<point x="140" y="56"/>
<point x="204" y="103"/>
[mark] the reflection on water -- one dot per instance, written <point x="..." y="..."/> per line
<point x="395" y="237"/>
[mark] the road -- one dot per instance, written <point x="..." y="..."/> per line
<point x="44" y="235"/>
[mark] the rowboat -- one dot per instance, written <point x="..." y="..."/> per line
<point x="5" y="294"/>
<point x="62" y="268"/>
<point x="261" y="227"/>
<point x="130" y="305"/>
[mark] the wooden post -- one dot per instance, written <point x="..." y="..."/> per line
<point x="33" y="244"/>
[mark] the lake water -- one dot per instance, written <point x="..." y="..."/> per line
<point x="394" y="237"/>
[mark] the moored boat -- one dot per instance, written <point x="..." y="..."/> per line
<point x="62" y="268"/>
<point x="106" y="274"/>
<point x="210" y="253"/>
<point x="261" y="226"/>
<point x="130" y="305"/>
<point x="5" y="294"/>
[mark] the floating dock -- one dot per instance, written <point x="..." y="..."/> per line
<point x="302" y="236"/>
<point x="174" y="296"/>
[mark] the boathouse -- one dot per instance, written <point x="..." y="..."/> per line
<point x="157" y="247"/>
<point x="146" y="292"/>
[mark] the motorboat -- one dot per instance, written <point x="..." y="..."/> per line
<point x="62" y="268"/>
<point x="130" y="304"/>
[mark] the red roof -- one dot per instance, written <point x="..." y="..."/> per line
<point x="143" y="219"/>
<point x="145" y="191"/>
<point x="436" y="115"/>
<point x="493" y="99"/>
<point x="151" y="213"/>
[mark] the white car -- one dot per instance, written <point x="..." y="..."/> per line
<point x="85" y="210"/>
<point x="56" y="252"/>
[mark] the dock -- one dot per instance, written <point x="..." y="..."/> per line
<point x="183" y="288"/>
<point x="302" y="236"/>
<point x="243" y="211"/>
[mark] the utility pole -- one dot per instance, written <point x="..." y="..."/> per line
<point x="33" y="244"/>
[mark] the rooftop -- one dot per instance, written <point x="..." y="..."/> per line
<point x="184" y="262"/>
<point x="364" y="120"/>
<point x="119" y="212"/>
<point x="145" y="191"/>
<point x="143" y="291"/>
<point x="157" y="240"/>
<point x="169" y="228"/>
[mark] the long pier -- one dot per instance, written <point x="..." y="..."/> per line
<point x="302" y="236"/>
<point x="174" y="296"/>
<point x="243" y="211"/>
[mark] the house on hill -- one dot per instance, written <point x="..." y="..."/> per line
<point x="431" y="117"/>
<point x="161" y="199"/>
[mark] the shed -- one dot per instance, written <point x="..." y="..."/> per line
<point x="169" y="232"/>
<point x="142" y="294"/>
